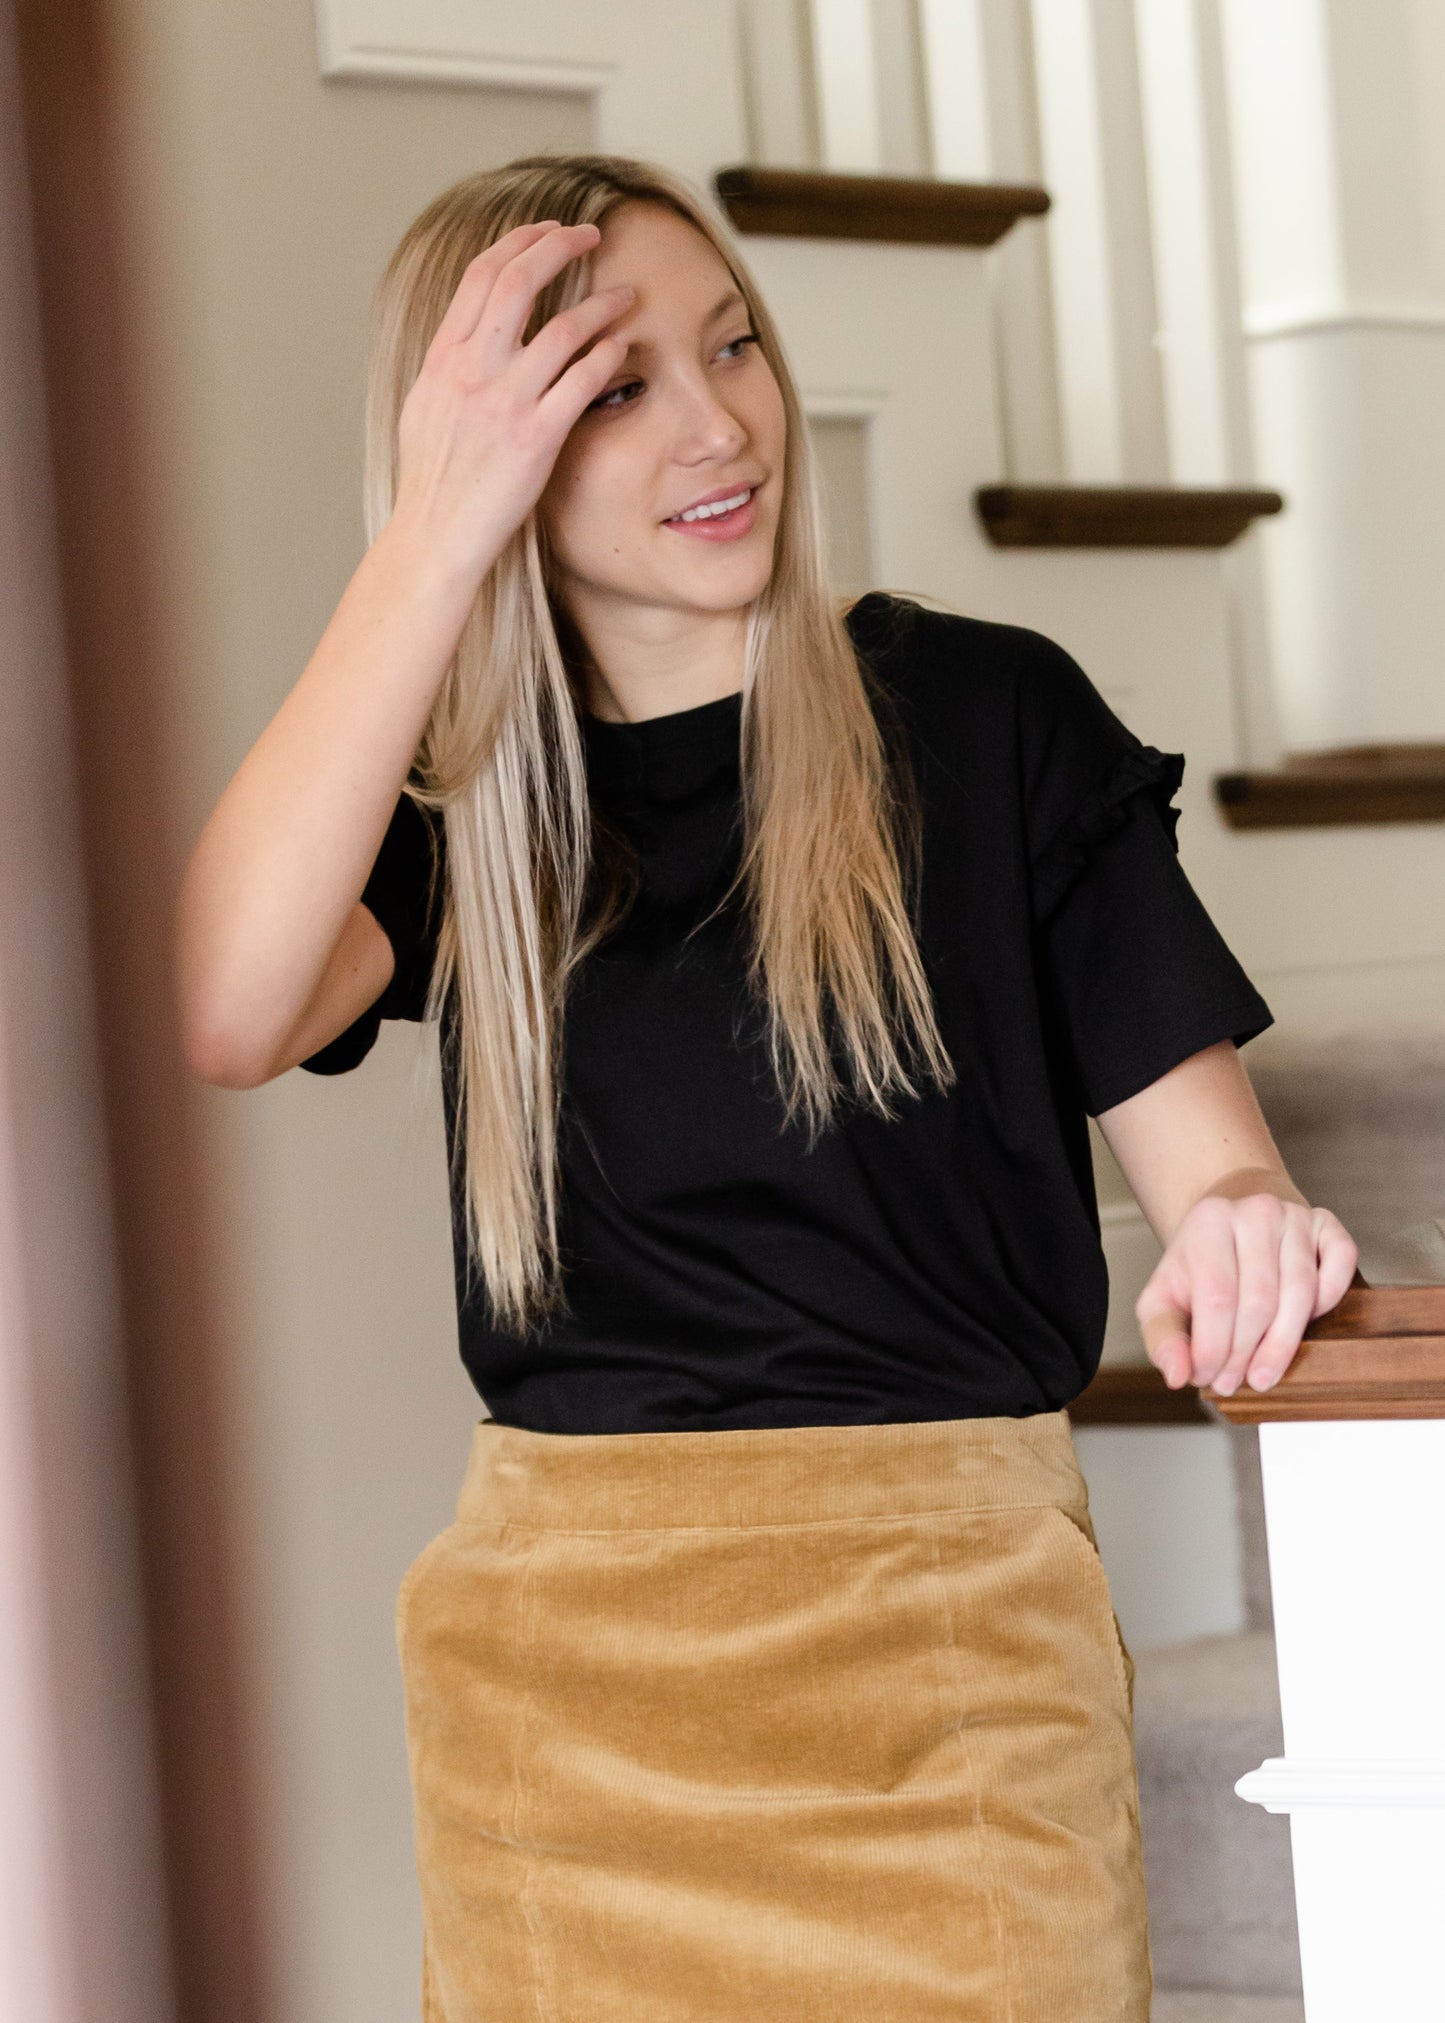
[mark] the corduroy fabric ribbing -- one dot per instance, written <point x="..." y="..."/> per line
<point x="808" y="1723"/>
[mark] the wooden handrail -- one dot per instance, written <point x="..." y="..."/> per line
<point x="1120" y="516"/>
<point x="1135" y="1394"/>
<point x="906" y="210"/>
<point x="1378" y="1354"/>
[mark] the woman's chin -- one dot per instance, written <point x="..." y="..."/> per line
<point x="719" y="580"/>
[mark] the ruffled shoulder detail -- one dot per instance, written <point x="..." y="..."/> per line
<point x="1142" y="770"/>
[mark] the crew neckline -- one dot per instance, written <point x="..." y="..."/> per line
<point x="669" y="757"/>
<point x="680" y="724"/>
<point x="676" y="723"/>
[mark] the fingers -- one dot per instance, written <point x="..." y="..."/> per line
<point x="1164" y="1324"/>
<point x="582" y="382"/>
<point x="1317" y="1259"/>
<point x="503" y="317"/>
<point x="466" y="305"/>
<point x="1338" y="1255"/>
<point x="562" y="335"/>
<point x="1297" y="1282"/>
<point x="1211" y="1267"/>
<point x="1235" y="1291"/>
<point x="1258" y="1224"/>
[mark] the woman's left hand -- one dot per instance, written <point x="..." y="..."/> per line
<point x="1237" y="1286"/>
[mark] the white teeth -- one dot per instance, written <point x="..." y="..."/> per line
<point x="719" y="506"/>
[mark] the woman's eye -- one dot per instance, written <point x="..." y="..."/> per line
<point x="609" y="399"/>
<point x="611" y="402"/>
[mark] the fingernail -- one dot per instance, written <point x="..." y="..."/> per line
<point x="1260" y="1380"/>
<point x="1226" y="1385"/>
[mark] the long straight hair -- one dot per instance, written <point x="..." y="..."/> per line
<point x="830" y="842"/>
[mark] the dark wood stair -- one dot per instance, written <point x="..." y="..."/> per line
<point x="905" y="210"/>
<point x="1355" y="783"/>
<point x="1120" y="516"/>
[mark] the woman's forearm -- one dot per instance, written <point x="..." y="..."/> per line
<point x="1198" y="1130"/>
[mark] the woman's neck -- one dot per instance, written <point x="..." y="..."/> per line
<point x="645" y="662"/>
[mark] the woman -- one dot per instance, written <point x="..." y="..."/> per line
<point x="781" y="954"/>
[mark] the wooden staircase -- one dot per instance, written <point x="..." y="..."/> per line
<point x="1129" y="578"/>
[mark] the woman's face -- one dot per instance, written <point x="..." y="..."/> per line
<point x="693" y="412"/>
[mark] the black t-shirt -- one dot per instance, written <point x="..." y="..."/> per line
<point x="944" y="1264"/>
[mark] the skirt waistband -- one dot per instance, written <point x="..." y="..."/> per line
<point x="767" y="1475"/>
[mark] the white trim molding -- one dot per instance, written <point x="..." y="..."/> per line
<point x="1290" y="1783"/>
<point x="1304" y="318"/>
<point x="458" y="66"/>
<point x="663" y="77"/>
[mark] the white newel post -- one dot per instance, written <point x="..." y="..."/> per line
<point x="1355" y="1522"/>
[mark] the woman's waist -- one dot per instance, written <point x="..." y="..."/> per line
<point x="768" y="1475"/>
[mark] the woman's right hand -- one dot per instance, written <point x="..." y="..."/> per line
<point x="485" y="418"/>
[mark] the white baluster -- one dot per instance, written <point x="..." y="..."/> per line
<point x="847" y="85"/>
<point x="776" y="57"/>
<point x="1092" y="154"/>
<point x="956" y="89"/>
<point x="1206" y="394"/>
<point x="1183" y="234"/>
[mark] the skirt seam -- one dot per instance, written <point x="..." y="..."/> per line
<point x="527" y="1613"/>
<point x="950" y="1510"/>
<point x="995" y="1918"/>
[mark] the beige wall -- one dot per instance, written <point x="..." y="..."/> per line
<point x="271" y="200"/>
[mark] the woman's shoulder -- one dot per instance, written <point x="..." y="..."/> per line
<point x="951" y="669"/>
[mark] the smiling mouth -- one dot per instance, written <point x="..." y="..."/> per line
<point x="720" y="509"/>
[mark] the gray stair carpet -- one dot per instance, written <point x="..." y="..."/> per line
<point x="1207" y="2005"/>
<point x="1218" y="1869"/>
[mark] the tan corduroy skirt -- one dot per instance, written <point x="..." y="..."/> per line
<point x="783" y="1726"/>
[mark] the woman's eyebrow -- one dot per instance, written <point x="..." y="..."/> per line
<point x="727" y="301"/>
<point x="732" y="300"/>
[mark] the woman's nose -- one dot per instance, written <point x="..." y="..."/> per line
<point x="706" y="428"/>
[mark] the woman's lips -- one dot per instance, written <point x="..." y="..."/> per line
<point x="720" y="526"/>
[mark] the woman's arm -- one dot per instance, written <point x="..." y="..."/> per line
<point x="1247" y="1262"/>
<point x="275" y="954"/>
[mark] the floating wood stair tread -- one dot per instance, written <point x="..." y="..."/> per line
<point x="1119" y="516"/>
<point x="1356" y="783"/>
<point x="907" y="210"/>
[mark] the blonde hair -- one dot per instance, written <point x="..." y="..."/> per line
<point x="830" y="825"/>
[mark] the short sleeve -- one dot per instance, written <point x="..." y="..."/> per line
<point x="404" y="893"/>
<point x="1139" y="976"/>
